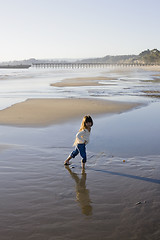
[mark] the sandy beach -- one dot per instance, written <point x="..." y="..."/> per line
<point x="41" y="199"/>
<point x="42" y="112"/>
<point x="117" y="196"/>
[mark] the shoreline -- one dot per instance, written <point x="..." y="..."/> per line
<point x="83" y="81"/>
<point x="96" y="81"/>
<point x="45" y="112"/>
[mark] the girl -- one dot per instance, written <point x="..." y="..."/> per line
<point x="82" y="138"/>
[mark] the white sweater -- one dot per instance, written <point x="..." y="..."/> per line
<point x="82" y="137"/>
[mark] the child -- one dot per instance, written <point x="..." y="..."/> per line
<point x="82" y="138"/>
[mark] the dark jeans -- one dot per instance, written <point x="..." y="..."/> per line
<point x="80" y="148"/>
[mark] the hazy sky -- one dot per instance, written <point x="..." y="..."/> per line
<point x="77" y="28"/>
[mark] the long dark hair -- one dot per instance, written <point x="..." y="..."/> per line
<point x="85" y="120"/>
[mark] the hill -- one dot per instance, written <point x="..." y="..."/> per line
<point x="148" y="56"/>
<point x="145" y="57"/>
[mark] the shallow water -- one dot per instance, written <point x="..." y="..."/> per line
<point x="133" y="133"/>
<point x="18" y="85"/>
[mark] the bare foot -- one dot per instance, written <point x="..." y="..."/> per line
<point x="66" y="163"/>
<point x="83" y="165"/>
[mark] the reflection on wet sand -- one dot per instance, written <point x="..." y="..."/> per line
<point x="82" y="193"/>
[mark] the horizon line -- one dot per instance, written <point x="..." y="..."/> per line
<point x="78" y="58"/>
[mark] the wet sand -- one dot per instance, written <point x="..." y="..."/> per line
<point x="152" y="94"/>
<point x="111" y="199"/>
<point x="4" y="147"/>
<point x="79" y="82"/>
<point x="41" y="199"/>
<point x="96" y="81"/>
<point x="114" y="198"/>
<point x="43" y="112"/>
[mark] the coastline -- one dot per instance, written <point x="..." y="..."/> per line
<point x="44" y="112"/>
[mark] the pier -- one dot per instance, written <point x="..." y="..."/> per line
<point x="72" y="65"/>
<point x="20" y="66"/>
